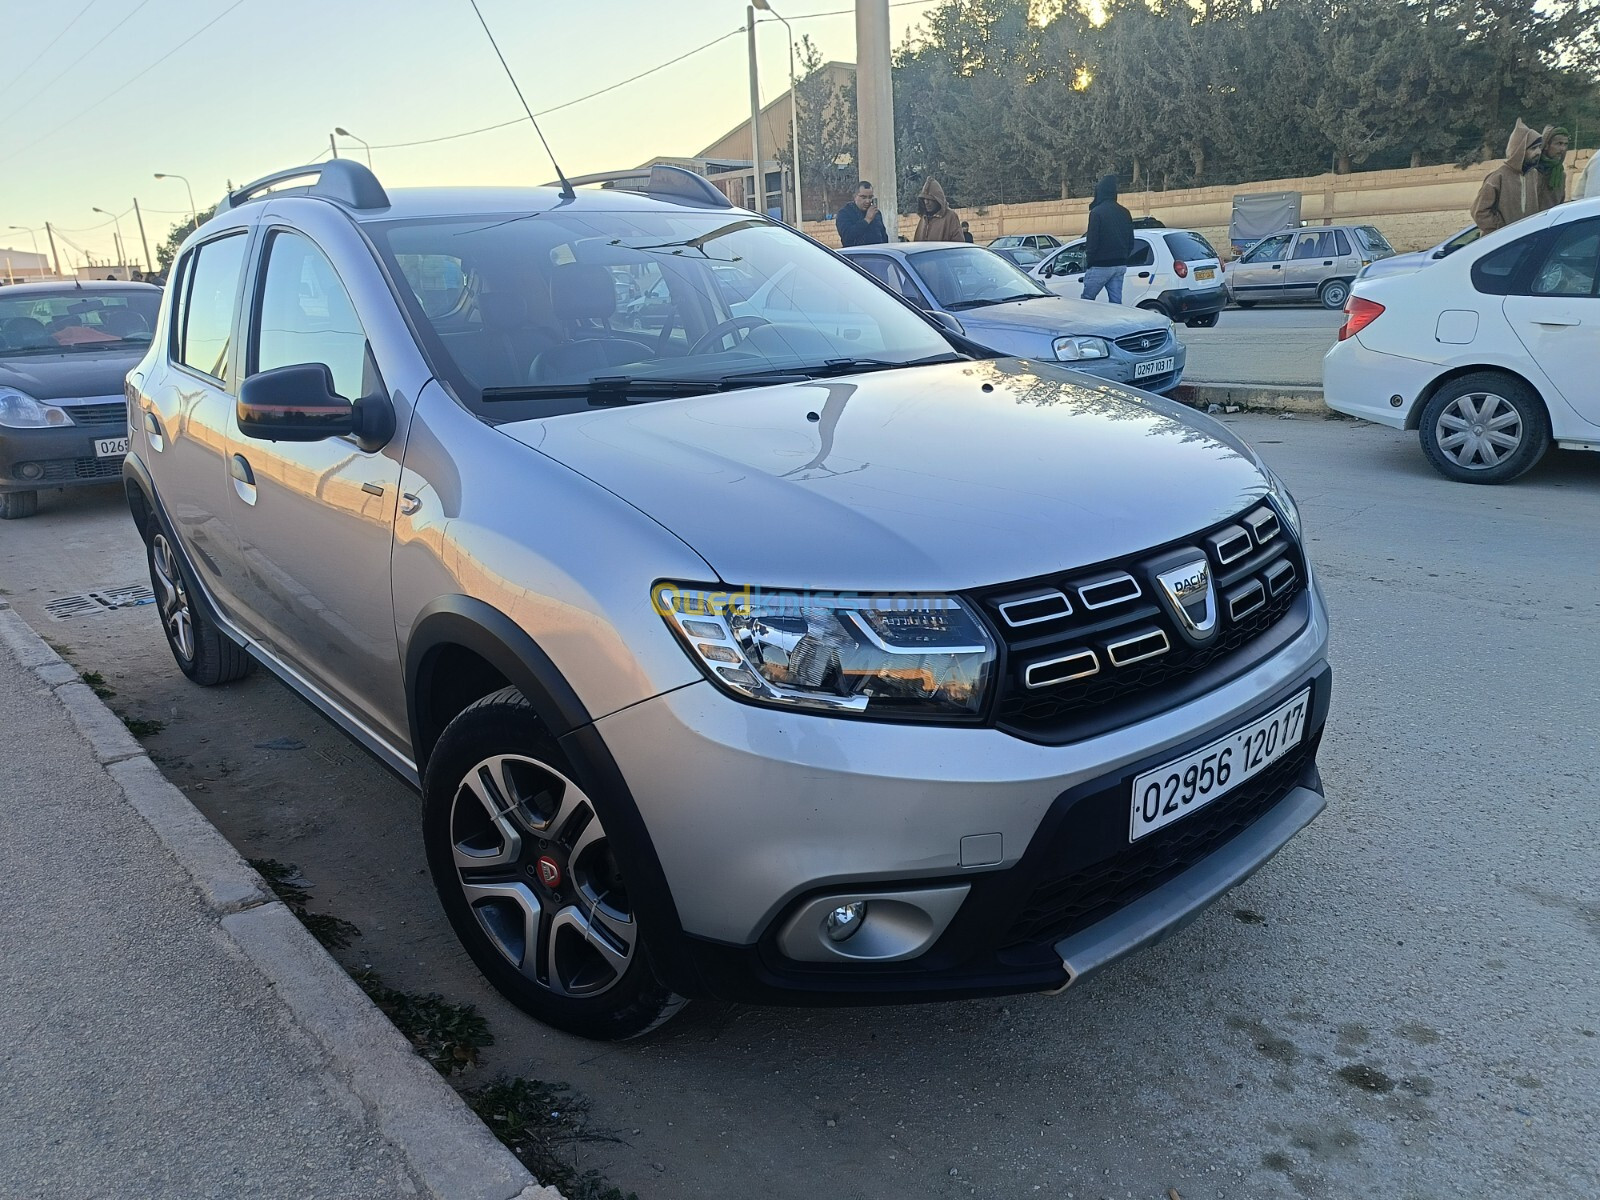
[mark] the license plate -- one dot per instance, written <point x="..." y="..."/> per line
<point x="106" y="447"/>
<point x="1156" y="366"/>
<point x="1205" y="273"/>
<point x="1172" y="792"/>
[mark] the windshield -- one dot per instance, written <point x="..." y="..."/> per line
<point x="1465" y="238"/>
<point x="972" y="276"/>
<point x="76" y="321"/>
<point x="555" y="300"/>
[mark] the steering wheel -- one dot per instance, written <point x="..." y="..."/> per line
<point x="715" y="334"/>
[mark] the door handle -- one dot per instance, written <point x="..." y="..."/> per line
<point x="152" y="426"/>
<point x="1277" y="266"/>
<point x="1559" y="322"/>
<point x="409" y="504"/>
<point x="1328" y="262"/>
<point x="244" y="479"/>
<point x="1144" y="274"/>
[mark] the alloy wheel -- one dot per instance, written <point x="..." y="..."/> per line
<point x="535" y="866"/>
<point x="1478" y="430"/>
<point x="173" y="600"/>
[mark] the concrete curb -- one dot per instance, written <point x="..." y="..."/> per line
<point x="447" y="1148"/>
<point x="1254" y="397"/>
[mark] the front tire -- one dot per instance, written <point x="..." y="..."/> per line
<point x="14" y="506"/>
<point x="525" y="872"/>
<point x="1208" y="321"/>
<point x="1154" y="306"/>
<point x="1245" y="303"/>
<point x="205" y="654"/>
<point x="1484" y="428"/>
<point x="1334" y="293"/>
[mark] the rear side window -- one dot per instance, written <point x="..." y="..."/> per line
<point x="1341" y="242"/>
<point x="1373" y="240"/>
<point x="1187" y="246"/>
<point x="1142" y="255"/>
<point x="204" y="315"/>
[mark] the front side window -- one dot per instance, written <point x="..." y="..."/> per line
<point x="305" y="316"/>
<point x="1270" y="251"/>
<point x="1069" y="261"/>
<point x="1571" y="266"/>
<point x="211" y="286"/>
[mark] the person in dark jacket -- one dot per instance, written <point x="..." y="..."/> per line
<point x="966" y="233"/>
<point x="1109" y="243"/>
<point x="860" y="223"/>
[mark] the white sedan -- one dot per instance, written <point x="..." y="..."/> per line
<point x="1490" y="354"/>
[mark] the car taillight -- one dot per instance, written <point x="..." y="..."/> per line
<point x="1359" y="313"/>
<point x="1181" y="267"/>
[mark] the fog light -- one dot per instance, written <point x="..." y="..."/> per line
<point x="30" y="471"/>
<point x="842" y="923"/>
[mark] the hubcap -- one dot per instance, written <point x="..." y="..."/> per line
<point x="538" y="873"/>
<point x="1479" y="430"/>
<point x="173" y="602"/>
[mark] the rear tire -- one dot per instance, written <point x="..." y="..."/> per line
<point x="1208" y="321"/>
<point x="525" y="872"/>
<point x="205" y="654"/>
<point x="1484" y="428"/>
<point x="16" y="505"/>
<point x="1334" y="293"/>
<point x="1245" y="303"/>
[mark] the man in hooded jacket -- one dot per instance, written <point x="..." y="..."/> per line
<point x="936" y="221"/>
<point x="1516" y="188"/>
<point x="1109" y="243"/>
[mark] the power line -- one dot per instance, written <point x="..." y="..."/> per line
<point x="43" y="88"/>
<point x="120" y="87"/>
<point x="12" y="82"/>
<point x="565" y="104"/>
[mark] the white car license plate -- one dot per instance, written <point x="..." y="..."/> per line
<point x="106" y="447"/>
<point x="1156" y="366"/>
<point x="1172" y="792"/>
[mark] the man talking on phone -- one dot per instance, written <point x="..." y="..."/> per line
<point x="860" y="223"/>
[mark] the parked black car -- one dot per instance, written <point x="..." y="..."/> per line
<point x="64" y="349"/>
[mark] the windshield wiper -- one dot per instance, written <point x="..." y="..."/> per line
<point x="852" y="366"/>
<point x="960" y="305"/>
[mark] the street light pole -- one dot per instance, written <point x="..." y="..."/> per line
<point x="115" y="220"/>
<point x="794" y="111"/>
<point x="32" y="233"/>
<point x="149" y="264"/>
<point x="755" y="118"/>
<point x="194" y="213"/>
<point x="343" y="132"/>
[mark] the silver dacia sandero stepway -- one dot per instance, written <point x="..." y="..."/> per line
<point x="801" y="657"/>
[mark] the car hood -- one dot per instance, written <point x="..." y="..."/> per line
<point x="73" y="375"/>
<point x="936" y="477"/>
<point x="1056" y="315"/>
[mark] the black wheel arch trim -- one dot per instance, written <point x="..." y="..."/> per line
<point x="477" y="626"/>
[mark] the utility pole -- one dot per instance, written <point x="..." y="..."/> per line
<point x="760" y="205"/>
<point x="875" y="110"/>
<point x="149" y="263"/>
<point x="54" y="257"/>
<point x="333" y="145"/>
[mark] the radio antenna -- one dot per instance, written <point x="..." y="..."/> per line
<point x="566" y="188"/>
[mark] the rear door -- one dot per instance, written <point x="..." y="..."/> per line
<point x="1310" y="262"/>
<point x="1556" y="314"/>
<point x="1258" y="275"/>
<point x="1142" y="279"/>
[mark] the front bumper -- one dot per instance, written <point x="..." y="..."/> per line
<point x="40" y="459"/>
<point x="756" y="814"/>
<point x="1121" y="367"/>
<point x="1361" y="382"/>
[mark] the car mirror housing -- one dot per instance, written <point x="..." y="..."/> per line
<point x="948" y="322"/>
<point x="298" y="404"/>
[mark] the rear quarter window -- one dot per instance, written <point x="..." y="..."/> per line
<point x="1500" y="272"/>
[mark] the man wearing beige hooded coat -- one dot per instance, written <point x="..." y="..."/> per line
<point x="936" y="221"/>
<point x="1516" y="188"/>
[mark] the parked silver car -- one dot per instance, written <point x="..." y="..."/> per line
<point x="1404" y="264"/>
<point x="1003" y="308"/>
<point x="1318" y="263"/>
<point x="798" y="655"/>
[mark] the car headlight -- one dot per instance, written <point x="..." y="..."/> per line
<point x="1076" y="349"/>
<point x="1287" y="508"/>
<point x="870" y="656"/>
<point x="21" y="411"/>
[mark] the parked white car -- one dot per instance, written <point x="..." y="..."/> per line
<point x="1490" y="354"/>
<point x="1174" y="272"/>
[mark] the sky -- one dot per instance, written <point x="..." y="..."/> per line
<point x="90" y="109"/>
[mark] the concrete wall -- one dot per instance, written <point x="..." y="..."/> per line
<point x="1415" y="207"/>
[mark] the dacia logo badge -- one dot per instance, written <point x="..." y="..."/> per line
<point x="1193" y="599"/>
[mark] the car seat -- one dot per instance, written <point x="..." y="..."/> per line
<point x="583" y="296"/>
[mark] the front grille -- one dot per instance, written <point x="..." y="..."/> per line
<point x="1154" y="383"/>
<point x="1061" y="905"/>
<point x="60" y="469"/>
<point x="99" y="414"/>
<point x="1092" y="646"/>
<point x="1145" y="339"/>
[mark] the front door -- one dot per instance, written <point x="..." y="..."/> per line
<point x="315" y="520"/>
<point x="1062" y="272"/>
<point x="1258" y="275"/>
<point x="1557" y="314"/>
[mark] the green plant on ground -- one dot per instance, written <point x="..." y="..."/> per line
<point x="288" y="885"/>
<point x="61" y="648"/>
<point x="97" y="684"/>
<point x="141" y="728"/>
<point x="543" y="1124"/>
<point x="447" y="1034"/>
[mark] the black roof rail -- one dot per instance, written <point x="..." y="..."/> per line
<point x="342" y="180"/>
<point x="661" y="182"/>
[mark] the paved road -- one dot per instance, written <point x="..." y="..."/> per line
<point x="1405" y="1003"/>
<point x="1281" y="345"/>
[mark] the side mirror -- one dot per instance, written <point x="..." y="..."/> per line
<point x="298" y="404"/>
<point x="947" y="322"/>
